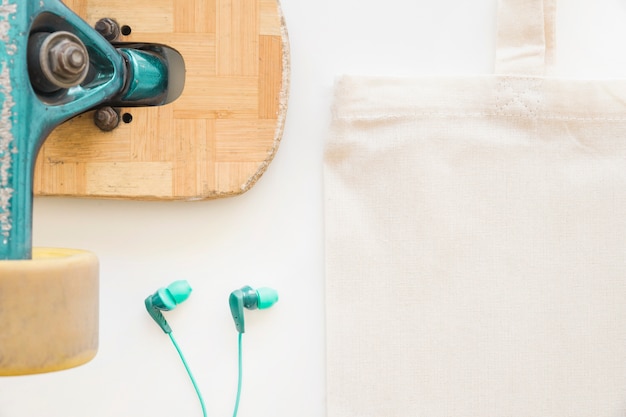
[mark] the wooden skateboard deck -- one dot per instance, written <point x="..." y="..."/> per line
<point x="214" y="141"/>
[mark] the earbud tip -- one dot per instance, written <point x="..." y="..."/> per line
<point x="175" y="293"/>
<point x="267" y="297"/>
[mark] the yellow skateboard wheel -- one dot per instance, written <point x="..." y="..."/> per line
<point x="48" y="311"/>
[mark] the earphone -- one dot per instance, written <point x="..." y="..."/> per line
<point x="251" y="299"/>
<point x="167" y="298"/>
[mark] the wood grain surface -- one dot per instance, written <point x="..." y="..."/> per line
<point x="216" y="140"/>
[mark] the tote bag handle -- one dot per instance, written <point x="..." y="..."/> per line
<point x="526" y="37"/>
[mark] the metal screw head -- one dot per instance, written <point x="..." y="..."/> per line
<point x="108" y="28"/>
<point x="106" y="118"/>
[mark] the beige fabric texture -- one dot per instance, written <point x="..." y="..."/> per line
<point x="476" y="239"/>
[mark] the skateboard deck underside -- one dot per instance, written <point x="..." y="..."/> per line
<point x="216" y="140"/>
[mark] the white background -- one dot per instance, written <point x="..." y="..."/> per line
<point x="273" y="234"/>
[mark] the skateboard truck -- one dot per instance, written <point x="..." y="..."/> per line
<point x="54" y="66"/>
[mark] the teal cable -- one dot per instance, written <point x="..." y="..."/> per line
<point x="239" y="378"/>
<point x="193" y="381"/>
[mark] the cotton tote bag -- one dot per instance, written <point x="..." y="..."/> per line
<point x="476" y="239"/>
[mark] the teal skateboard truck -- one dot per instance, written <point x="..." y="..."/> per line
<point x="54" y="66"/>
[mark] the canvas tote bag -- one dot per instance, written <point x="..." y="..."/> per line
<point x="476" y="239"/>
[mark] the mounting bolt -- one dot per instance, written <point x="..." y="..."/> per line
<point x="106" y="118"/>
<point x="108" y="28"/>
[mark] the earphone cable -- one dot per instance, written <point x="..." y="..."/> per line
<point x="193" y="380"/>
<point x="240" y="375"/>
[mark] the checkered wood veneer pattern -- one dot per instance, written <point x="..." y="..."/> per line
<point x="216" y="140"/>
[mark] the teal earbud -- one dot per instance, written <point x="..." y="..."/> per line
<point x="167" y="299"/>
<point x="251" y="299"/>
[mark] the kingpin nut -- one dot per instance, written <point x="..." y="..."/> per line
<point x="62" y="59"/>
<point x="68" y="59"/>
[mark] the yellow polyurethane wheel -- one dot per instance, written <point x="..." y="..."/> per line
<point x="48" y="311"/>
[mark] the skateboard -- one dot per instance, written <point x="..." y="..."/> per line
<point x="151" y="99"/>
<point x="215" y="140"/>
